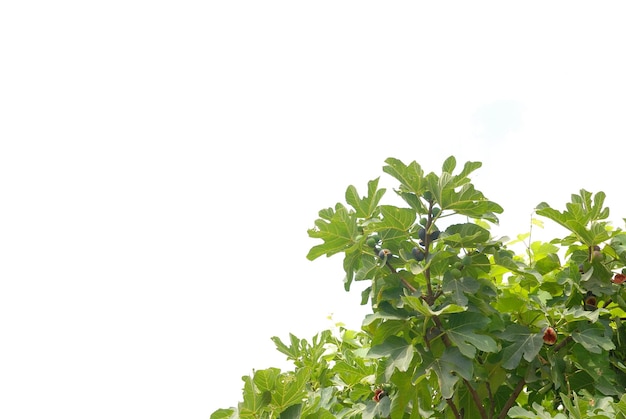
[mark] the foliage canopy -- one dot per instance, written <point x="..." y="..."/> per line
<point x="462" y="326"/>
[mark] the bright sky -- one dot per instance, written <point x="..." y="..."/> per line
<point x="161" y="162"/>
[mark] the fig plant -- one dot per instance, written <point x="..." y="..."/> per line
<point x="462" y="326"/>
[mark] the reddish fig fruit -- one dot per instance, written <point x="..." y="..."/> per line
<point x="549" y="336"/>
<point x="591" y="302"/>
<point x="379" y="394"/>
<point x="619" y="279"/>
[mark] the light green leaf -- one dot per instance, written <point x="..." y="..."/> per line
<point x="337" y="233"/>
<point x="396" y="218"/>
<point x="290" y="388"/>
<point x="449" y="164"/>
<point x="411" y="177"/>
<point x="465" y="235"/>
<point x="265" y="379"/>
<point x="223" y="414"/>
<point x="253" y="399"/>
<point x="365" y="206"/>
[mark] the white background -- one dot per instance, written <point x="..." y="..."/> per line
<point x="161" y="162"/>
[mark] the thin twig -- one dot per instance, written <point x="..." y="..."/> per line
<point x="404" y="281"/>
<point x="562" y="344"/>
<point x="455" y="411"/>
<point x="509" y="403"/>
<point x="476" y="399"/>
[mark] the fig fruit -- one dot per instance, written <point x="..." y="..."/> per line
<point x="384" y="253"/>
<point x="418" y="254"/>
<point x="549" y="336"/>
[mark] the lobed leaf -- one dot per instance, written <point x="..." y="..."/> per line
<point x="525" y="343"/>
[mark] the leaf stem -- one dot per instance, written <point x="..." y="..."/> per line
<point x="404" y="281"/>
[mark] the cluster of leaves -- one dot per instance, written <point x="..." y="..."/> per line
<point x="461" y="325"/>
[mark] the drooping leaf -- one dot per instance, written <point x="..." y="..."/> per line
<point x="448" y="368"/>
<point x="465" y="235"/>
<point x="420" y="305"/>
<point x="400" y="352"/>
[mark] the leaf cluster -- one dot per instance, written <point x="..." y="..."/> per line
<point x="461" y="325"/>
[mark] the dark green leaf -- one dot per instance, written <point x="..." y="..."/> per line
<point x="592" y="338"/>
<point x="525" y="343"/>
<point x="292" y="412"/>
<point x="459" y="287"/>
<point x="400" y="352"/>
<point x="461" y="329"/>
<point x="448" y="368"/>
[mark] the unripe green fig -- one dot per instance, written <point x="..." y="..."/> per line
<point x="456" y="273"/>
<point x="418" y="254"/>
<point x="467" y="260"/>
<point x="458" y="265"/>
<point x="371" y="242"/>
<point x="428" y="196"/>
<point x="436" y="211"/>
<point x="423" y="221"/>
